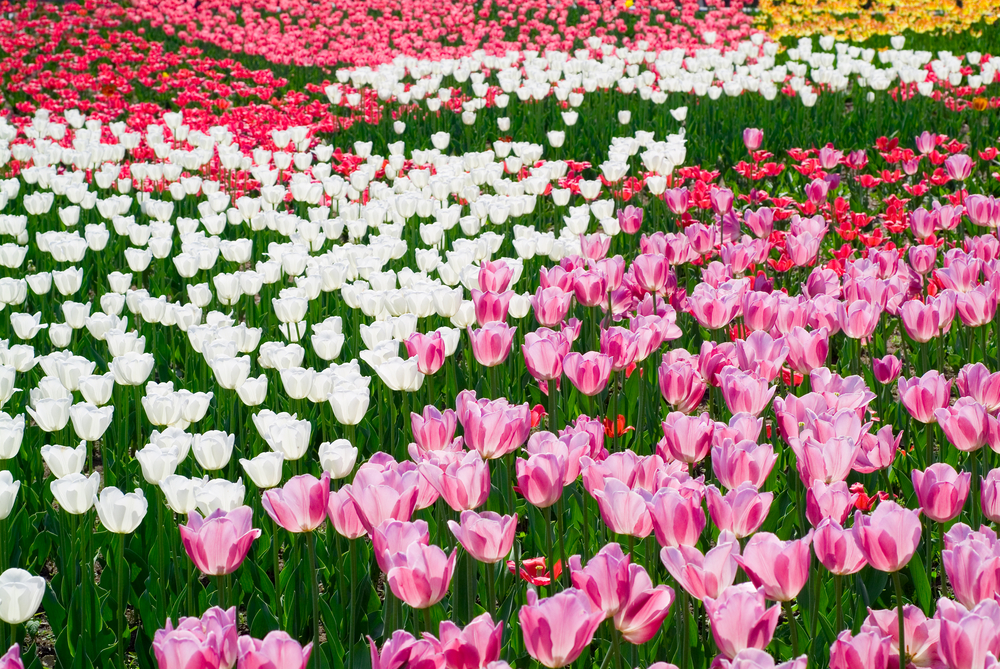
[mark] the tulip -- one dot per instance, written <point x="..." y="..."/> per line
<point x="958" y="166"/>
<point x="557" y="629"/>
<point x="349" y="407"/>
<point x="344" y="515"/>
<point x="8" y="493"/>
<point x="681" y="385"/>
<point x="623" y="510"/>
<point x="973" y="570"/>
<point x="550" y="305"/>
<point x="264" y="470"/>
<point x="63" y="461"/>
<point x="543" y="355"/>
<point x="887" y="369"/>
<point x="941" y="491"/>
<point x="924" y="395"/>
<point x="740" y="619"/>
<point x="705" y="575"/>
<point x="741" y="511"/>
<point x="50" y="414"/>
<point x="866" y="649"/>
<point x="214" y="631"/>
<point x="491" y="343"/>
<point x="889" y="537"/>
<point x="300" y="505"/>
<point x="753" y="138"/>
<point x="735" y="463"/>
<point x="836" y="549"/>
<point x="540" y="478"/>
<point x="688" y="438"/>
<point x="877" y="450"/>
<point x="967" y="641"/>
<point x="677" y="519"/>
<point x="832" y="500"/>
<point x="421" y="576"/>
<point x="12" y="658"/>
<point x="393" y="537"/>
<point x="464" y="484"/>
<point x="75" y="493"/>
<point x="781" y="568"/>
<point x="181" y="492"/>
<point x="488" y="537"/>
<point x="990" y="495"/>
<point x="495" y="429"/>
<point x="213" y="449"/>
<point x="338" y="458"/>
<point x="20" y="595"/>
<point x="922" y="634"/>
<point x="276" y="651"/>
<point x="219" y="543"/>
<point x="588" y="372"/>
<point x="402" y="650"/>
<point x="477" y="645"/>
<point x="119" y="512"/>
<point x="807" y="350"/>
<point x="434" y="430"/>
<point x="643" y="607"/>
<point x="966" y="424"/>
<point x="744" y="392"/>
<point x="90" y="422"/>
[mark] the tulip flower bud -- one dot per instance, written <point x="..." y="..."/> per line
<point x="20" y="595"/>
<point x="121" y="512"/>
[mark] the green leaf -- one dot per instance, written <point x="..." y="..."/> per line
<point x="920" y="582"/>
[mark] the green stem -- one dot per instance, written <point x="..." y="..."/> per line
<point x="275" y="557"/>
<point x="838" y="589"/>
<point x="491" y="604"/>
<point x="351" y="612"/>
<point x="122" y="643"/>
<point x="561" y="520"/>
<point x="553" y="407"/>
<point x="976" y="505"/>
<point x="315" y="596"/>
<point x="793" y="628"/>
<point x="548" y="549"/>
<point x="427" y="620"/>
<point x="903" y="660"/>
<point x="220" y="590"/>
<point x="616" y="647"/>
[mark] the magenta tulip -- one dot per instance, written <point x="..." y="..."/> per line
<point x="497" y="428"/>
<point x="429" y="350"/>
<point x="557" y="629"/>
<point x="486" y="536"/>
<point x="887" y="369"/>
<point x="681" y="385"/>
<point x="12" y="658"/>
<point x="741" y="511"/>
<point x="688" y="438"/>
<point x="922" y="396"/>
<point x="219" y="543"/>
<point x="744" y="392"/>
<point x="966" y="424"/>
<point x="967" y="639"/>
<point x="829" y="500"/>
<point x="540" y="478"/>
<point x="677" y="519"/>
<point x="753" y="138"/>
<point x="474" y="646"/>
<point x="344" y="515"/>
<point x="643" y="607"/>
<point x="544" y="353"/>
<point x="604" y="579"/>
<point x="735" y="463"/>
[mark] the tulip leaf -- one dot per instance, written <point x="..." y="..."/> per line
<point x="872" y="583"/>
<point x="261" y="618"/>
<point x="920" y="583"/>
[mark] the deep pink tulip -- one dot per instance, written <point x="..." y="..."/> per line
<point x="958" y="166"/>
<point x="752" y="658"/>
<point x="760" y="309"/>
<point x="402" y="651"/>
<point x="557" y="629"/>
<point x="688" y="438"/>
<point x="922" y="258"/>
<point x="421" y="576"/>
<point x="276" y="651"/>
<point x="495" y="276"/>
<point x="922" y="634"/>
<point x="703" y="575"/>
<point x="219" y="543"/>
<point x="490" y="306"/>
<point x="889" y="537"/>
<point x="604" y="579"/>
<point x="990" y="495"/>
<point x="753" y="138"/>
<point x="643" y="607"/>
<point x="393" y="537"/>
<point x="735" y="463"/>
<point x="741" y="511"/>
<point x="620" y="345"/>
<point x="630" y="219"/>
<point x="816" y="191"/>
<point x="486" y="536"/>
<point x="569" y="448"/>
<point x="380" y="496"/>
<point x="544" y="353"/>
<point x="623" y="511"/>
<point x="651" y="272"/>
<point x="588" y="372"/>
<point x="983" y="210"/>
<point x="678" y="200"/>
<point x="344" y="515"/>
<point x="491" y="343"/>
<point x="920" y="321"/>
<point x="434" y="430"/>
<point x="760" y="222"/>
<point x="761" y="354"/>
<point x="540" y="478"/>
<point x="836" y="549"/>
<point x="966" y="424"/>
<point x="740" y="619"/>
<point x="781" y="568"/>
<point x="744" y="392"/>
<point x="858" y="319"/>
<point x="12" y="658"/>
<point x="865" y="650"/>
<point x="215" y="631"/>
<point x="829" y="500"/>
<point x="973" y="569"/>
<point x="977" y="382"/>
<point x="590" y="288"/>
<point x="877" y="450"/>
<point x="299" y="505"/>
<point x="923" y="395"/>
<point x="474" y="646"/>
<point x="429" y="351"/>
<point x="681" y="385"/>
<point x="551" y="305"/>
<point x="463" y="484"/>
<point x="966" y="640"/>
<point x="941" y="491"/>
<point x="887" y="368"/>
<point x="497" y="428"/>
<point x="807" y="350"/>
<point x="978" y="306"/>
<point x="678" y="520"/>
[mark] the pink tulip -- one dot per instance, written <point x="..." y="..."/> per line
<point x="495" y="276"/>
<point x="544" y="353"/>
<point x="490" y="306"/>
<point x="623" y="511"/>
<point x="966" y="424"/>
<point x="464" y="484"/>
<point x="740" y="619"/>
<point x="967" y="640"/>
<point x="741" y="427"/>
<point x="760" y="310"/>
<point x="429" y="351"/>
<point x="651" y="272"/>
<point x="556" y="277"/>
<point x="550" y="305"/>
<point x="630" y="219"/>
<point x="219" y="543"/>
<point x="760" y="222"/>
<point x="830" y="157"/>
<point x="588" y="372"/>
<point x="722" y="200"/>
<point x="977" y="382"/>
<point x="753" y="138"/>
<point x="590" y="288"/>
<point x="491" y="343"/>
<point x="887" y="369"/>
<point x="678" y="200"/>
<point x="781" y="568"/>
<point x="214" y="632"/>
<point x="381" y="496"/>
<point x="621" y="347"/>
<point x="958" y="166"/>
<point x="569" y="448"/>
<point x="925" y="142"/>
<point x="836" y="549"/>
<point x="877" y="450"/>
<point x="752" y="658"/>
<point x="816" y="191"/>
<point x="990" y="495"/>
<point x="941" y="491"/>
<point x="703" y="575"/>
<point x="920" y="321"/>
<point x="866" y="650"/>
<point x="595" y="246"/>
<point x="761" y="354"/>
<point x="474" y="646"/>
<point x="735" y="463"/>
<point x="497" y="428"/>
<point x="393" y="537"/>
<point x="421" y="576"/>
<point x="832" y="500"/>
<point x="889" y="537"/>
<point x="858" y="319"/>
<point x="688" y="438"/>
<point x="973" y="569"/>
<point x="12" y="658"/>
<point x="402" y="650"/>
<point x="744" y="392"/>
<point x="677" y="519"/>
<point x="488" y="537"/>
<point x="557" y="629"/>
<point x="828" y="462"/>
<point x="344" y="515"/>
<point x="922" y="258"/>
<point x="923" y="395"/>
<point x="276" y="651"/>
<point x="922" y="634"/>
<point x="983" y="210"/>
<point x="540" y="478"/>
<point x="299" y="505"/>
<point x="643" y="607"/>
<point x="604" y="579"/>
<point x="807" y="350"/>
<point x="434" y="430"/>
<point x="681" y="385"/>
<point x="741" y="511"/>
<point x="978" y="306"/>
<point x="713" y="309"/>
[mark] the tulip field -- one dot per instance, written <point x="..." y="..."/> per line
<point x="606" y="334"/>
